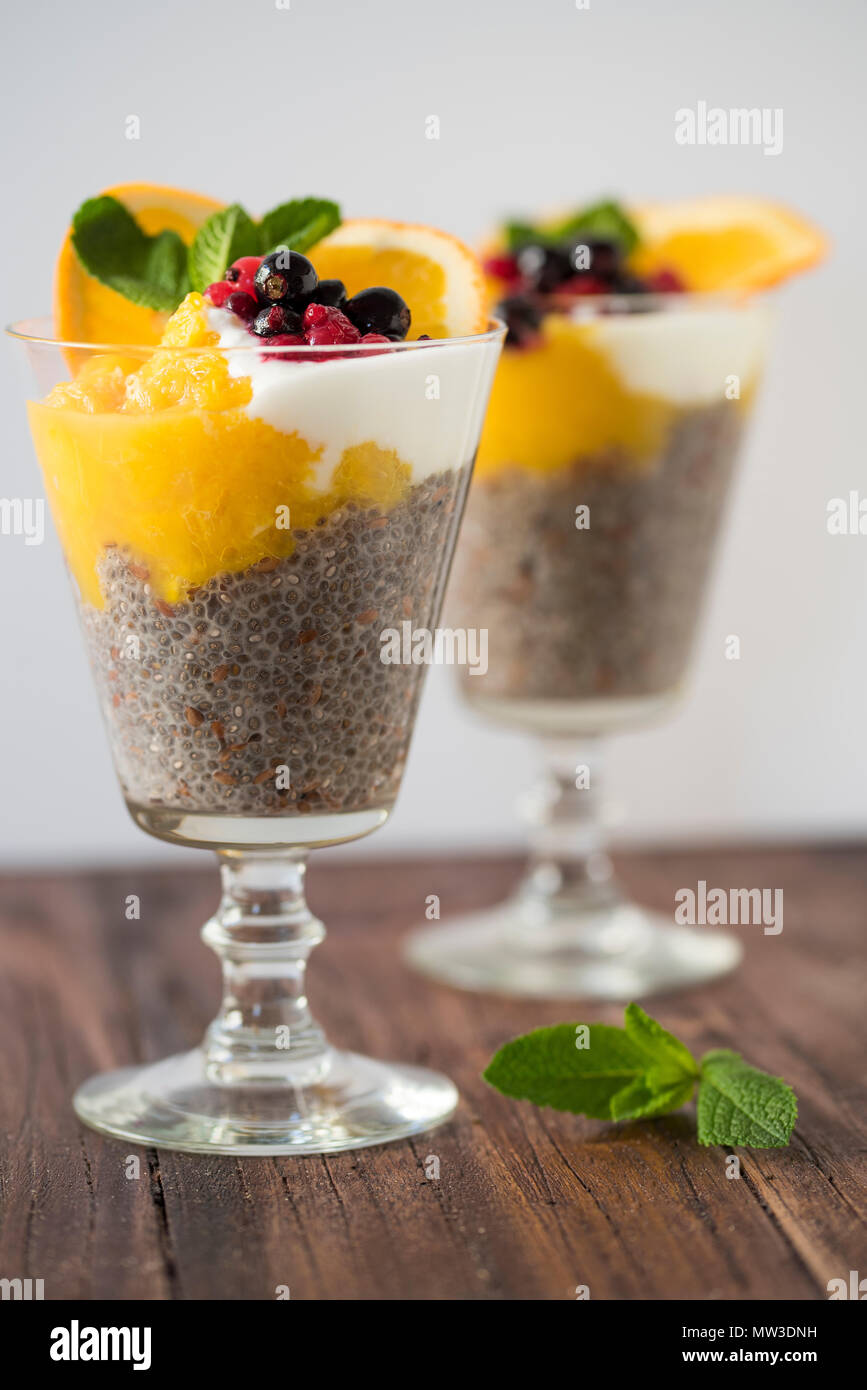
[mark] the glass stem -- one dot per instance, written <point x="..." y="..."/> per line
<point x="570" y="873"/>
<point x="263" y="931"/>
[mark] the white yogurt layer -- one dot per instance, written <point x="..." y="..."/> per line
<point x="686" y="355"/>
<point x="426" y="404"/>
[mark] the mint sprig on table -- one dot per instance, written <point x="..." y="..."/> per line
<point x="158" y="271"/>
<point x="605" y="219"/>
<point x="639" y="1071"/>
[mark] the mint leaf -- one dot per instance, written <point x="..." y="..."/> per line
<point x="547" y="1068"/>
<point x="166" y="267"/>
<point x="641" y="1071"/>
<point x="220" y="240"/>
<point x="298" y="224"/>
<point x="520" y="234"/>
<point x="664" y="1048"/>
<point x="158" y="271"/>
<point x="606" y="219"/>
<point x="231" y="233"/>
<point x="739" y="1105"/>
<point x="149" y="270"/>
<point x="653" y="1095"/>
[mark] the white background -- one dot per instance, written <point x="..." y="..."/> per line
<point x="539" y="103"/>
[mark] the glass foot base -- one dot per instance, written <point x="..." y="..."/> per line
<point x="623" y="953"/>
<point x="353" y="1102"/>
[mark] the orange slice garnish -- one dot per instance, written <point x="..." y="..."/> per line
<point x="726" y="243"/>
<point x="86" y="311"/>
<point x="437" y="275"/>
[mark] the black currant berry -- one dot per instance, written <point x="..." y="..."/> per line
<point x="624" y="283"/>
<point x="379" y="310"/>
<point x="522" y="318"/>
<point x="277" y="318"/>
<point x="595" y="255"/>
<point x="331" y="292"/>
<point x="285" y="275"/>
<point x="544" y="267"/>
<point x="244" y="305"/>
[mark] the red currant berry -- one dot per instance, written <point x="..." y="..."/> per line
<point x="244" y="305"/>
<point x="375" y="338"/>
<point x="584" y="284"/>
<point x="326" y="326"/>
<point x="502" y="267"/>
<point x="315" y="313"/>
<point x="284" y="340"/>
<point x="219" y="292"/>
<point x="666" y="282"/>
<point x="242" y="274"/>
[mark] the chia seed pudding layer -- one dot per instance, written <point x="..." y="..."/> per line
<point x="277" y="666"/>
<point x="606" y="611"/>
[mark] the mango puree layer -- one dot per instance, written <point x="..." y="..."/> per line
<point x="162" y="460"/>
<point x="561" y="400"/>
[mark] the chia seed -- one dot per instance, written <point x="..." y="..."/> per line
<point x="272" y="685"/>
<point x="608" y="610"/>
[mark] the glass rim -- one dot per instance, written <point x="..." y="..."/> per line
<point x="26" y="331"/>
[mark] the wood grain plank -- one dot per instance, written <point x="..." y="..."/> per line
<point x="528" y="1203"/>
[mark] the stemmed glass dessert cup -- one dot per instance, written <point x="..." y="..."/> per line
<point x="602" y="477"/>
<point x="235" y="566"/>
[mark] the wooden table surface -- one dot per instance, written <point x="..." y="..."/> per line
<point x="529" y="1204"/>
